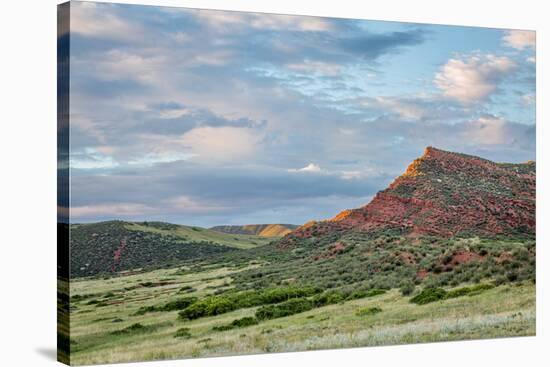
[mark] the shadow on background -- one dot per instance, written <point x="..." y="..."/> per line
<point x="49" y="353"/>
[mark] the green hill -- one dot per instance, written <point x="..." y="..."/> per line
<point x="115" y="246"/>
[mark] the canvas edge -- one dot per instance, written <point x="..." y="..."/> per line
<point x="63" y="190"/>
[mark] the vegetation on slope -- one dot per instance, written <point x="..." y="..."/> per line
<point x="110" y="247"/>
<point x="263" y="230"/>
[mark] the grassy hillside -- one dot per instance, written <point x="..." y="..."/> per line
<point x="108" y="248"/>
<point x="263" y="230"/>
<point x="107" y="325"/>
<point x="199" y="234"/>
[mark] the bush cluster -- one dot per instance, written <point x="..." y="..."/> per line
<point x="290" y="307"/>
<point x="429" y="295"/>
<point x="216" y="305"/>
<point x="238" y="323"/>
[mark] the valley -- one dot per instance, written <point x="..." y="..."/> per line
<point x="446" y="252"/>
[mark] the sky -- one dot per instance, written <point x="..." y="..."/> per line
<point x="206" y="118"/>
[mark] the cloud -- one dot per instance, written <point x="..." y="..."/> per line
<point x="489" y="131"/>
<point x="404" y="108"/>
<point x="520" y="39"/>
<point x="188" y="205"/>
<point x="91" y="158"/>
<point x="112" y="210"/>
<point x="473" y="79"/>
<point x="312" y="167"/>
<point x="101" y="20"/>
<point x="316" y="67"/>
<point x="222" y="143"/>
<point x="221" y="20"/>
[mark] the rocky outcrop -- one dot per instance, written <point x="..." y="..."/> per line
<point x="444" y="194"/>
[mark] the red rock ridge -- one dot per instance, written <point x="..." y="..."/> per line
<point x="444" y="193"/>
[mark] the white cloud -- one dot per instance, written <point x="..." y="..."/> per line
<point x="119" y="65"/>
<point x="185" y="204"/>
<point x="153" y="158"/>
<point x="488" y="131"/>
<point x="220" y="20"/>
<point x="91" y="158"/>
<point x="520" y="39"/>
<point x="115" y="210"/>
<point x="402" y="108"/>
<point x="472" y="79"/>
<point x="350" y="175"/>
<point x="312" y="167"/>
<point x="317" y="67"/>
<point x="92" y="19"/>
<point x="222" y="143"/>
<point x="174" y="113"/>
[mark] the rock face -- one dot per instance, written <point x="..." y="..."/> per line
<point x="444" y="194"/>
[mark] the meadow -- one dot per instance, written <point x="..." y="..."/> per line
<point x="143" y="316"/>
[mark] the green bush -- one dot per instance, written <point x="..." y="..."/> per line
<point x="468" y="291"/>
<point x="407" y="288"/>
<point x="215" y="305"/>
<point x="368" y="311"/>
<point x="238" y="323"/>
<point x="145" y="309"/>
<point x="429" y="295"/>
<point x="328" y="298"/>
<point x="182" y="333"/>
<point x="178" y="304"/>
<point x="375" y="292"/>
<point x="287" y="308"/>
<point x="135" y="329"/>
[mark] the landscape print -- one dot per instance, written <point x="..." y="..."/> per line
<point x="238" y="183"/>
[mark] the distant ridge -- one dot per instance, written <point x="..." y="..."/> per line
<point x="263" y="230"/>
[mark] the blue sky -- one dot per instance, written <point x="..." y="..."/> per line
<point x="209" y="117"/>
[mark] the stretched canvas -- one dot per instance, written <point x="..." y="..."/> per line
<point x="238" y="183"/>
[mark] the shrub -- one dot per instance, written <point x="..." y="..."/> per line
<point x="215" y="305"/>
<point x="145" y="309"/>
<point x="287" y="308"/>
<point x="182" y="333"/>
<point x="429" y="295"/>
<point x="179" y="304"/>
<point x="357" y="295"/>
<point x="187" y="289"/>
<point x="208" y="307"/>
<point x="375" y="292"/>
<point x="134" y="329"/>
<point x="407" y="288"/>
<point x="368" y="311"/>
<point x="238" y="323"/>
<point x="327" y="298"/>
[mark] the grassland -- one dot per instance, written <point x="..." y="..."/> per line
<point x="199" y="234"/>
<point x="107" y="327"/>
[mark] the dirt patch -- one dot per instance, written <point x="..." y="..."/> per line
<point x="504" y="257"/>
<point x="422" y="273"/>
<point x="407" y="258"/>
<point x="332" y="251"/>
<point x="458" y="258"/>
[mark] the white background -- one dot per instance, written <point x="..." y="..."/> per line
<point x="28" y="182"/>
